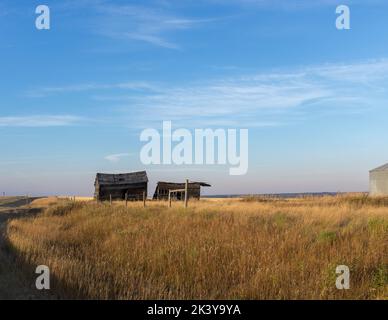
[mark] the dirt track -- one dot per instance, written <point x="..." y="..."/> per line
<point x="13" y="283"/>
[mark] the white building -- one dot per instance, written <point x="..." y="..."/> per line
<point x="378" y="181"/>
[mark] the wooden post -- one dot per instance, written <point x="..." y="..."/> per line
<point x="169" y="198"/>
<point x="110" y="199"/>
<point x="27" y="200"/>
<point x="186" y="192"/>
<point x="144" y="199"/>
<point x="126" y="199"/>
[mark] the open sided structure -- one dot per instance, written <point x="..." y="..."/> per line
<point x="163" y="188"/>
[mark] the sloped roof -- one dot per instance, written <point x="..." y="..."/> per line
<point x="382" y="168"/>
<point x="121" y="178"/>
<point x="202" y="184"/>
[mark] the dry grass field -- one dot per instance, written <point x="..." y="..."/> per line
<point x="255" y="248"/>
<point x="12" y="284"/>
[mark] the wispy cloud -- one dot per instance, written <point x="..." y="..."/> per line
<point x="270" y="99"/>
<point x="151" y="39"/>
<point x="151" y="23"/>
<point x="39" y="121"/>
<point x="292" y="4"/>
<point x="114" y="158"/>
<point x="253" y="100"/>
<point x="50" y="90"/>
<point x="367" y="72"/>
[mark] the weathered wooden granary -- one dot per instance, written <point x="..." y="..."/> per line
<point x="378" y="180"/>
<point x="119" y="186"/>
<point x="163" y="188"/>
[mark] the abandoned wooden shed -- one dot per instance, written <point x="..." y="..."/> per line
<point x="163" y="188"/>
<point x="119" y="186"/>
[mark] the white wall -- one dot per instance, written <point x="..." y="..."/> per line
<point x="378" y="183"/>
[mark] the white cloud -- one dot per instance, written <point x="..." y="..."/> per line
<point x="364" y="72"/>
<point x="254" y="100"/>
<point x="292" y="4"/>
<point x="116" y="157"/>
<point x="269" y="98"/>
<point x="152" y="25"/>
<point x="152" y="39"/>
<point x="39" y="121"/>
<point x="46" y="91"/>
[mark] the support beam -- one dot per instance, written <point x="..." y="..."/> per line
<point x="186" y="192"/>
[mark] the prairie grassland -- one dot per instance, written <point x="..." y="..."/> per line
<point x="12" y="285"/>
<point x="257" y="248"/>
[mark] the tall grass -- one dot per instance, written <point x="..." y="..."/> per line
<point x="272" y="249"/>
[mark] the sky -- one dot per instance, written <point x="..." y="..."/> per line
<point x="74" y="99"/>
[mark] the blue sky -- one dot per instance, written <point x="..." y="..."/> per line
<point x="75" y="98"/>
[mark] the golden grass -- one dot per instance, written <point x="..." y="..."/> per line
<point x="249" y="249"/>
<point x="45" y="202"/>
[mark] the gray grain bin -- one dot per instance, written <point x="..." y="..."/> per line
<point x="378" y="181"/>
